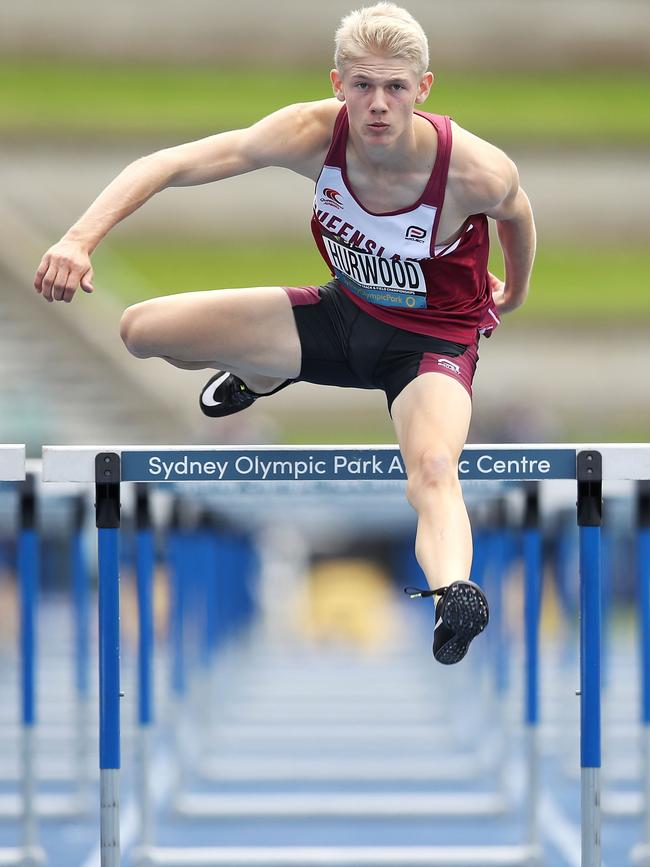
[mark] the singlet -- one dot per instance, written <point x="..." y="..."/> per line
<point x="389" y="264"/>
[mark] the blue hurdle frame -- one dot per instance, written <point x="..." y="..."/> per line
<point x="107" y="513"/>
<point x="641" y="852"/>
<point x="144" y="570"/>
<point x="532" y="551"/>
<point x="320" y="464"/>
<point x="28" y="581"/>
<point x="589" y="474"/>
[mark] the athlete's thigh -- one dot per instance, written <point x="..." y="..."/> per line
<point x="431" y="414"/>
<point x="252" y="330"/>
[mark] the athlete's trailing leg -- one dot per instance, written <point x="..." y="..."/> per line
<point x="249" y="332"/>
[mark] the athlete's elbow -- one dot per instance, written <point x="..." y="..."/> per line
<point x="513" y="300"/>
<point x="160" y="168"/>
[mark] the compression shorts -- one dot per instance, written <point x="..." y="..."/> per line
<point x="344" y="346"/>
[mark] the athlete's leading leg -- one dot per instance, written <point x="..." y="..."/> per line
<point x="431" y="417"/>
<point x="248" y="331"/>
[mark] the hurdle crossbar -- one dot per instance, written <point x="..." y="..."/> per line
<point x="12" y="463"/>
<point x="343" y="856"/>
<point x="355" y="768"/>
<point x="588" y="465"/>
<point x="352" y="732"/>
<point x="334" y="805"/>
<point x="174" y="463"/>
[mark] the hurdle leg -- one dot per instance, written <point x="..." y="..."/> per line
<point x="589" y="476"/>
<point x="107" y="477"/>
<point x="495" y="587"/>
<point x="178" y="545"/>
<point x="641" y="852"/>
<point x="144" y="574"/>
<point x="81" y="600"/>
<point x="28" y="568"/>
<point x="532" y="604"/>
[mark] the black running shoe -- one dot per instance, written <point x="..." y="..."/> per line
<point x="225" y="394"/>
<point x="462" y="613"/>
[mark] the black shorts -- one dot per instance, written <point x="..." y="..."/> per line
<point x="342" y="345"/>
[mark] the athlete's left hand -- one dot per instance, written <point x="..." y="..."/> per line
<point x="505" y="300"/>
<point x="497" y="288"/>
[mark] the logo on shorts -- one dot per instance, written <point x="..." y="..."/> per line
<point x="416" y="233"/>
<point x="445" y="362"/>
<point x="332" y="197"/>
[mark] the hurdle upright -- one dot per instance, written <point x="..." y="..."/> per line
<point x="108" y="466"/>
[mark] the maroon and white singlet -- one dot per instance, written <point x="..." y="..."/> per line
<point x="390" y="265"/>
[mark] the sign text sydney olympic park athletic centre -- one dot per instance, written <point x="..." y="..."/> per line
<point x="334" y="465"/>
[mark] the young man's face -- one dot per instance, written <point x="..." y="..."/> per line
<point x="380" y="93"/>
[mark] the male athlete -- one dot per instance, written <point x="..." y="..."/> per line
<point x="400" y="216"/>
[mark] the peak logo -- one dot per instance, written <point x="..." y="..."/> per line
<point x="416" y="233"/>
<point x="331" y="197"/>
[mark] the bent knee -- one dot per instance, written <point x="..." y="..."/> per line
<point x="134" y="331"/>
<point x="434" y="469"/>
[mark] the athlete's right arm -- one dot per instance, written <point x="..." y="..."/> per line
<point x="295" y="137"/>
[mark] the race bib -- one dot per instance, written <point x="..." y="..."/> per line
<point x="382" y="281"/>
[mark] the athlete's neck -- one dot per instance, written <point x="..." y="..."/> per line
<point x="400" y="155"/>
<point x="409" y="152"/>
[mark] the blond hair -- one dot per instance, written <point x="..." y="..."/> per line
<point x="381" y="29"/>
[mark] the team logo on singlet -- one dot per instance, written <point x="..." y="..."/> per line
<point x="377" y="279"/>
<point x="332" y="198"/>
<point x="416" y="233"/>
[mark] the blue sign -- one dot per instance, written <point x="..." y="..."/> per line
<point x="281" y="465"/>
<point x="519" y="464"/>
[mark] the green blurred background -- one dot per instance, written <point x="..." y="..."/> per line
<point x="572" y="109"/>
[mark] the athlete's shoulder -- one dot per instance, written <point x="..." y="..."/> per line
<point x="318" y="119"/>
<point x="480" y="174"/>
<point x="317" y="115"/>
<point x="295" y="136"/>
<point x="322" y="111"/>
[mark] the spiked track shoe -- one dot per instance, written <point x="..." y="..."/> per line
<point x="462" y="613"/>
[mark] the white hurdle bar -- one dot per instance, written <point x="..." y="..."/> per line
<point x="108" y="466"/>
<point x="12" y="463"/>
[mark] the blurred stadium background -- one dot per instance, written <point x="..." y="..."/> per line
<point x="562" y="86"/>
<point x="87" y="88"/>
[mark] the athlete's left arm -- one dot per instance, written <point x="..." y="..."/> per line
<point x="516" y="232"/>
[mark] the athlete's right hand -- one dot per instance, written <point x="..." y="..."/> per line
<point x="64" y="268"/>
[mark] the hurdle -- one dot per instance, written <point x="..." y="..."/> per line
<point x="265" y="723"/>
<point x="633" y="736"/>
<point x="53" y="766"/>
<point x="108" y="466"/>
<point x="13" y="469"/>
<point x="81" y="600"/>
<point x="49" y="805"/>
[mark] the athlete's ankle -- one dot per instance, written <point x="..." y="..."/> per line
<point x="261" y="384"/>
